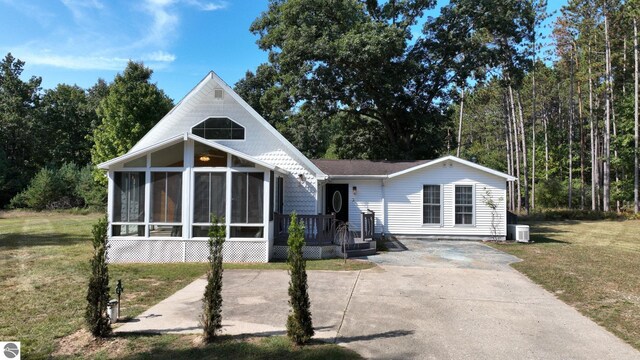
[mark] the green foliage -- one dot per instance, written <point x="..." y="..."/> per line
<point x="570" y="214"/>
<point x="388" y="99"/>
<point x="62" y="188"/>
<point x="131" y="108"/>
<point x="212" y="310"/>
<point x="67" y="116"/>
<point x="19" y="145"/>
<point x="91" y="192"/>
<point x="299" y="325"/>
<point x="96" y="317"/>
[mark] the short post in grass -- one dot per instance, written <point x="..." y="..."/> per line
<point x="299" y="325"/>
<point x="96" y="316"/>
<point x="212" y="312"/>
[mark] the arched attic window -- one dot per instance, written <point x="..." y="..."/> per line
<point x="219" y="129"/>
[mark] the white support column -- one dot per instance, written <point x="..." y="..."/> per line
<point x="147" y="197"/>
<point x="110" y="194"/>
<point x="227" y="214"/>
<point x="187" y="193"/>
<point x="266" y="211"/>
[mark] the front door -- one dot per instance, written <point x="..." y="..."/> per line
<point x="337" y="201"/>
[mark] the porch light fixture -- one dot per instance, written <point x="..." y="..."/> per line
<point x="204" y="158"/>
<point x="301" y="178"/>
<point x="354" y="190"/>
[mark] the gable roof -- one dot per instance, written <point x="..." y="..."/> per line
<point x="391" y="169"/>
<point x="183" y="137"/>
<point x="173" y="116"/>
<point x="458" y="160"/>
<point x="363" y="167"/>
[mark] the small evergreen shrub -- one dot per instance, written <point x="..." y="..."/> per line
<point x="299" y="325"/>
<point x="212" y="312"/>
<point x="62" y="188"/>
<point x="43" y="190"/>
<point x="96" y="316"/>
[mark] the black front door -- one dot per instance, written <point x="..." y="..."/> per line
<point x="337" y="201"/>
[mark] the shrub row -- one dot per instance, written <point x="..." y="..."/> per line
<point x="66" y="187"/>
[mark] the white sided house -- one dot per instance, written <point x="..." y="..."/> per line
<point x="212" y="154"/>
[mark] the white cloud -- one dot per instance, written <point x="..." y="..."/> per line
<point x="160" y="56"/>
<point x="72" y="61"/>
<point x="97" y="38"/>
<point x="207" y="6"/>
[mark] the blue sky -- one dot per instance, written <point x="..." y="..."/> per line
<point x="78" y="41"/>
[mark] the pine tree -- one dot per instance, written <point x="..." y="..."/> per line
<point x="212" y="313"/>
<point x="299" y="325"/>
<point x="96" y="316"/>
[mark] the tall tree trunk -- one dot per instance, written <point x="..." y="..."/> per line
<point x="546" y="146"/>
<point x="594" y="165"/>
<point x="524" y="156"/>
<point x="460" y="122"/>
<point x="510" y="153"/>
<point x="514" y="128"/>
<point x="507" y="139"/>
<point x="636" y="171"/>
<point x="606" y="195"/>
<point x="581" y="127"/>
<point x="533" y="135"/>
<point x="571" y="122"/>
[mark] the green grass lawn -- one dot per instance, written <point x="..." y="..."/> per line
<point x="44" y="268"/>
<point x="591" y="265"/>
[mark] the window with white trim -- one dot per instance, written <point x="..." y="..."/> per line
<point x="464" y="205"/>
<point x="431" y="205"/>
<point x="219" y="129"/>
<point x="128" y="204"/>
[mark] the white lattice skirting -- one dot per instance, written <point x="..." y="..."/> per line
<point x="163" y="250"/>
<point x="308" y="252"/>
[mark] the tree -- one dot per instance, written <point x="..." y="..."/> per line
<point x="67" y="116"/>
<point x="212" y="309"/>
<point x="18" y="141"/>
<point x="96" y="316"/>
<point x="299" y="325"/>
<point x="395" y="89"/>
<point x="131" y="108"/>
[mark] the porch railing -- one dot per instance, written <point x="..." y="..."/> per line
<point x="367" y="225"/>
<point x="318" y="229"/>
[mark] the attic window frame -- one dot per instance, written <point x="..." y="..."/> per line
<point x="231" y="129"/>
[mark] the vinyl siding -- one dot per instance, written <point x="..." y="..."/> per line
<point x="368" y="196"/>
<point x="259" y="142"/>
<point x="403" y="201"/>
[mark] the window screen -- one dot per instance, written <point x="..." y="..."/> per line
<point x="464" y="204"/>
<point x="166" y="197"/>
<point x="247" y="198"/>
<point x="431" y="204"/>
<point x="128" y="199"/>
<point x="209" y="196"/>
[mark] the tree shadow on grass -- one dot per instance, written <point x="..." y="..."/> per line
<point x="543" y="239"/>
<point x="240" y="347"/>
<point x="16" y="241"/>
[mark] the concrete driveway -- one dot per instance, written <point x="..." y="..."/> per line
<point x="429" y="300"/>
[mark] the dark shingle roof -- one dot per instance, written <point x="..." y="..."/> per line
<point x="364" y="167"/>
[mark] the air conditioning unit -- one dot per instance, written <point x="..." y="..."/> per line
<point x="519" y="233"/>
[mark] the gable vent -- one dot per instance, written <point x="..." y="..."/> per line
<point x="218" y="94"/>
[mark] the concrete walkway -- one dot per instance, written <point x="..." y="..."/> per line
<point x="432" y="300"/>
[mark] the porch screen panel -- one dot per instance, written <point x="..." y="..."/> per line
<point x="209" y="196"/>
<point x="128" y="199"/>
<point x="255" y="198"/>
<point x="431" y="204"/>
<point x="464" y="204"/>
<point x="239" y="198"/>
<point x="166" y="195"/>
<point x="247" y="198"/>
